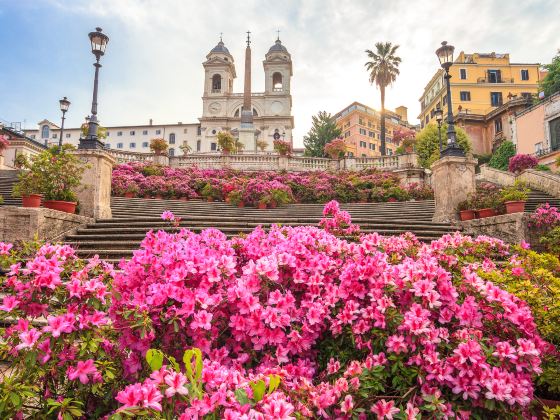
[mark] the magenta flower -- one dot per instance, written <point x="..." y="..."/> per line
<point x="82" y="371"/>
<point x="384" y="409"/>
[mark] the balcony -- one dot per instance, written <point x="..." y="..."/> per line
<point x="547" y="150"/>
<point x="496" y="81"/>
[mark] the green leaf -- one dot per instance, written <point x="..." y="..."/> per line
<point x="241" y="396"/>
<point x="154" y="358"/>
<point x="198" y="356"/>
<point x="15" y="398"/>
<point x="174" y="363"/>
<point x="273" y="383"/>
<point x="258" y="388"/>
<point x="187" y="360"/>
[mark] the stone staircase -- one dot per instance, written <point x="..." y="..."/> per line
<point x="537" y="198"/>
<point x="7" y="180"/>
<point x="116" y="238"/>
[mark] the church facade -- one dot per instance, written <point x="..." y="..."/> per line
<point x="221" y="111"/>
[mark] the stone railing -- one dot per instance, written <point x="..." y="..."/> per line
<point x="496" y="176"/>
<point x="126" y="156"/>
<point x="539" y="180"/>
<point x="409" y="160"/>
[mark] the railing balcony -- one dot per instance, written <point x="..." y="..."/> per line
<point x="494" y="81"/>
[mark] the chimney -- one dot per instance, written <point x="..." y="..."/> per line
<point x="402" y="111"/>
<point x="151" y="121"/>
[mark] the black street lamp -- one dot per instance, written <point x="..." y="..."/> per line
<point x="445" y="55"/>
<point x="64" y="105"/>
<point x="439" y="119"/>
<point x="98" y="44"/>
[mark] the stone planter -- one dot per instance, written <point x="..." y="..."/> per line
<point x="467" y="215"/>
<point x="129" y="195"/>
<point x="65" y="206"/>
<point x="31" y="200"/>
<point x="515" y="206"/>
<point x="482" y="213"/>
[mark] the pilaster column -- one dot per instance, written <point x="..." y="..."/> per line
<point x="453" y="179"/>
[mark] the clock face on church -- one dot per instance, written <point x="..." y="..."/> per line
<point x="214" y="107"/>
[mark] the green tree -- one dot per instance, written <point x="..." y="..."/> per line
<point x="551" y="83"/>
<point x="323" y="130"/>
<point x="383" y="69"/>
<point x="500" y="158"/>
<point x="427" y="143"/>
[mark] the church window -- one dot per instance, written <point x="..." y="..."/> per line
<point x="119" y="145"/>
<point x="45" y="132"/>
<point x="213" y="131"/>
<point x="255" y="114"/>
<point x="172" y="152"/>
<point x="277" y="82"/>
<point x="145" y="144"/>
<point x="213" y="147"/>
<point x="133" y="145"/>
<point x="198" y="145"/>
<point x="172" y="138"/>
<point x="236" y="113"/>
<point x="158" y="132"/>
<point x="216" y="83"/>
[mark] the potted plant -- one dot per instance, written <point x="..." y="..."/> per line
<point x="262" y="145"/>
<point x="236" y="198"/>
<point x="486" y="206"/>
<point x="60" y="172"/>
<point x="284" y="148"/>
<point x="28" y="188"/>
<point x="131" y="190"/>
<point x="336" y="148"/>
<point x="515" y="196"/>
<point x="520" y="163"/>
<point x="226" y="142"/>
<point x="20" y="161"/>
<point x="466" y="211"/>
<point x="159" y="146"/>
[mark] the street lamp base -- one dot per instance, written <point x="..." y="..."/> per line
<point x="452" y="150"/>
<point x="90" y="143"/>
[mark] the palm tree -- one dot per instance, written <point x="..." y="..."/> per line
<point x="383" y="71"/>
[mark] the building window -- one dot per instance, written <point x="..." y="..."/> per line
<point x="347" y="134"/>
<point x="145" y="144"/>
<point x="444" y="100"/>
<point x="158" y="132"/>
<point x="350" y="154"/>
<point x="184" y="131"/>
<point x="554" y="127"/>
<point x="119" y="133"/>
<point x="364" y="155"/>
<point x="172" y="138"/>
<point x="463" y="74"/>
<point x="496" y="98"/>
<point x="371" y="134"/>
<point x="198" y="130"/>
<point x="360" y="121"/>
<point x="216" y="83"/>
<point x="363" y="144"/>
<point x="538" y="148"/>
<point x="132" y="132"/>
<point x="107" y="145"/>
<point x="108" y="134"/>
<point x="465" y="96"/>
<point x="119" y="145"/>
<point x="363" y="132"/>
<point x="145" y="132"/>
<point x="198" y="144"/>
<point x="497" y="125"/>
<point x="525" y="74"/>
<point x="172" y="152"/>
<point x="33" y="136"/>
<point x="54" y="136"/>
<point x="45" y="132"/>
<point x="494" y="76"/>
<point x="133" y="145"/>
<point x="68" y="135"/>
<point x="277" y="82"/>
<point x="526" y="95"/>
<point x="427" y="119"/>
<point x="390" y="152"/>
<point x="369" y="124"/>
<point x="213" y="147"/>
<point x="372" y="146"/>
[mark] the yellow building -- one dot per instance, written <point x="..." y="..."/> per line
<point x="361" y="126"/>
<point x="480" y="83"/>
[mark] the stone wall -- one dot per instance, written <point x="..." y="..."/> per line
<point x="496" y="176"/>
<point x="24" y="224"/>
<point x="542" y="181"/>
<point x="511" y="228"/>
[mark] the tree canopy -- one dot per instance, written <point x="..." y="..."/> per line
<point x="427" y="143"/>
<point x="551" y="83"/>
<point x="323" y="130"/>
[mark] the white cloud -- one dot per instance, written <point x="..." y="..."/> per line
<point x="153" y="65"/>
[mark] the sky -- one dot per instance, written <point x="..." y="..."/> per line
<point x="153" y="64"/>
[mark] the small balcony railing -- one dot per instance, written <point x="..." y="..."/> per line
<point x="495" y="81"/>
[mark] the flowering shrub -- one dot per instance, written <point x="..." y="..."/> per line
<point x="545" y="217"/>
<point x="158" y="146"/>
<point x="519" y="163"/>
<point x="283" y="147"/>
<point x="336" y="148"/>
<point x="305" y="187"/>
<point x="4" y="143"/>
<point x="294" y="322"/>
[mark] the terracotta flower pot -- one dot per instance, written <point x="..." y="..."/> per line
<point x="392" y="200"/>
<point x="31" y="200"/>
<point x="467" y="215"/>
<point x="129" y="195"/>
<point x="227" y="200"/>
<point x="209" y="199"/>
<point x="482" y="213"/>
<point x="273" y="204"/>
<point x="183" y="198"/>
<point x="147" y="196"/>
<point x="261" y="206"/>
<point x="159" y="196"/>
<point x="65" y="206"/>
<point x="241" y="204"/>
<point x="515" y="207"/>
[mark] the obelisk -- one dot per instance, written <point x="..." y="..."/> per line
<point x="247" y="130"/>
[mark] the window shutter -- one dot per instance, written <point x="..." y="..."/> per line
<point x="499" y="76"/>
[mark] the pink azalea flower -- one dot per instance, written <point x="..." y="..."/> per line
<point x="9" y="303"/>
<point x="167" y="215"/>
<point x="82" y="370"/>
<point x="384" y="409"/>
<point x="347" y="404"/>
<point x="176" y="382"/>
<point x="28" y="339"/>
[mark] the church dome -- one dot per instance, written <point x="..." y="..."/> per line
<point x="277" y="47"/>
<point x="220" y="48"/>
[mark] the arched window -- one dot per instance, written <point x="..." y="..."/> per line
<point x="198" y="145"/>
<point x="277" y="82"/>
<point x="172" y="152"/>
<point x="255" y="114"/>
<point x="238" y="110"/>
<point x="216" y="83"/>
<point x="45" y="132"/>
<point x="172" y="138"/>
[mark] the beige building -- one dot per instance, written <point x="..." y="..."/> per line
<point x="221" y="108"/>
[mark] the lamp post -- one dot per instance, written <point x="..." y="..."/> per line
<point x="445" y="56"/>
<point x="98" y="44"/>
<point x="439" y="119"/>
<point x="64" y="105"/>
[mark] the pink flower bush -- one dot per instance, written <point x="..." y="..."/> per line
<point x="296" y="321"/>
<point x="545" y="217"/>
<point x="519" y="163"/>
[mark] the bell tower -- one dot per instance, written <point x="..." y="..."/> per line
<point x="277" y="69"/>
<point x="219" y="71"/>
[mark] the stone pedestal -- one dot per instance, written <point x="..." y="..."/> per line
<point x="247" y="138"/>
<point x="95" y="192"/>
<point x="162" y="160"/>
<point x="453" y="179"/>
<point x="349" y="164"/>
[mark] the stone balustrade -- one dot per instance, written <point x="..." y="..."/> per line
<point x="539" y="180"/>
<point x="126" y="156"/>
